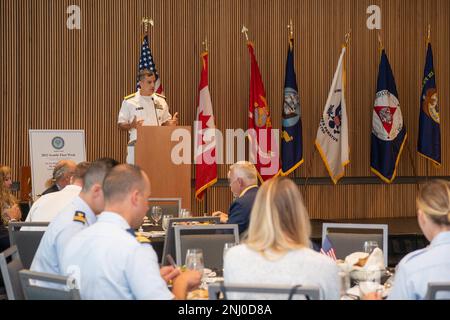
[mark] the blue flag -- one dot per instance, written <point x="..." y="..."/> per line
<point x="388" y="130"/>
<point x="291" y="137"/>
<point x="429" y="144"/>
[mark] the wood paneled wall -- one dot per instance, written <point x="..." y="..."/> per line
<point x="55" y="78"/>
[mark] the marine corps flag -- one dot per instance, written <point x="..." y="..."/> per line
<point x="332" y="135"/>
<point x="146" y="62"/>
<point x="291" y="136"/>
<point x="263" y="143"/>
<point x="388" y="130"/>
<point x="205" y="143"/>
<point x="429" y="144"/>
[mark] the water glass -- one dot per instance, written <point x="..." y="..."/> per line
<point x="194" y="260"/>
<point x="185" y="213"/>
<point x="371" y="282"/>
<point x="345" y="282"/>
<point x="369" y="246"/>
<point x="156" y="214"/>
<point x="165" y="221"/>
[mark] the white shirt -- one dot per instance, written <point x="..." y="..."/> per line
<point x="58" y="234"/>
<point x="49" y="205"/>
<point x="111" y="264"/>
<point x="243" y="266"/>
<point x="152" y="109"/>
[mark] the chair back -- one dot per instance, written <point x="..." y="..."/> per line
<point x="218" y="290"/>
<point x="10" y="265"/>
<point x="438" y="287"/>
<point x="27" y="241"/>
<point x="62" y="287"/>
<point x="210" y="238"/>
<point x="169" y="240"/>
<point x="347" y="238"/>
<point x="168" y="205"/>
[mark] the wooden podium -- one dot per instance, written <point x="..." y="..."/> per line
<point x="153" y="155"/>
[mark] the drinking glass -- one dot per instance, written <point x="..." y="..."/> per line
<point x="156" y="214"/>
<point x="369" y="246"/>
<point x="165" y="221"/>
<point x="185" y="213"/>
<point x="370" y="282"/>
<point x="194" y="260"/>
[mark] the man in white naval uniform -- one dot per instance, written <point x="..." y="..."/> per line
<point x="143" y="108"/>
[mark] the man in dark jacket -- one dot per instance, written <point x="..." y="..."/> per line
<point x="243" y="180"/>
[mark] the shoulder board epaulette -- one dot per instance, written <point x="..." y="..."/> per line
<point x="139" y="237"/>
<point x="160" y="95"/>
<point x="130" y="96"/>
<point x="80" y="216"/>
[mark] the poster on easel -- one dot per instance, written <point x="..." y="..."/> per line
<point x="47" y="147"/>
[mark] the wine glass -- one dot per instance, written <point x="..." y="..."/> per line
<point x="156" y="214"/>
<point x="185" y="213"/>
<point x="165" y="221"/>
<point x="369" y="246"/>
<point x="194" y="260"/>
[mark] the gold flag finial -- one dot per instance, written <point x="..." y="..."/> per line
<point x="429" y="34"/>
<point x="381" y="42"/>
<point x="348" y="36"/>
<point x="245" y="31"/>
<point x="146" y="22"/>
<point x="291" y="30"/>
<point x="205" y="43"/>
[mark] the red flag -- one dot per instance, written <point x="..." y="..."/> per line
<point x="204" y="131"/>
<point x="263" y="142"/>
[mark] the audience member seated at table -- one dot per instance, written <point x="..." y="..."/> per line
<point x="77" y="215"/>
<point x="431" y="264"/>
<point x="276" y="250"/>
<point x="110" y="260"/>
<point x="9" y="209"/>
<point x="243" y="181"/>
<point x="62" y="173"/>
<point x="49" y="205"/>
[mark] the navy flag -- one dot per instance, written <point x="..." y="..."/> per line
<point x="429" y="144"/>
<point x="291" y="137"/>
<point x="388" y="130"/>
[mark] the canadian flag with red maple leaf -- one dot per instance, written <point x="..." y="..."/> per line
<point x="204" y="136"/>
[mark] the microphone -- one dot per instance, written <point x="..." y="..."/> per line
<point x="154" y="106"/>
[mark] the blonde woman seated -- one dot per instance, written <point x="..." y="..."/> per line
<point x="9" y="209"/>
<point x="276" y="251"/>
<point x="431" y="264"/>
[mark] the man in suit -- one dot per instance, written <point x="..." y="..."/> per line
<point x="243" y="181"/>
<point x="62" y="173"/>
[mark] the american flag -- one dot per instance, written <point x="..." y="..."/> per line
<point x="146" y="62"/>
<point x="327" y="249"/>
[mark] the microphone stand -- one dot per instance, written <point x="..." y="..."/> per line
<point x="156" y="114"/>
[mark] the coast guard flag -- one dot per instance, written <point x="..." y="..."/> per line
<point x="263" y="142"/>
<point x="429" y="144"/>
<point x="332" y="135"/>
<point x="291" y="136"/>
<point x="205" y="143"/>
<point x="146" y="62"/>
<point x="388" y="131"/>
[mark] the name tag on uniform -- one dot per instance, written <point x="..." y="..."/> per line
<point x="140" y="108"/>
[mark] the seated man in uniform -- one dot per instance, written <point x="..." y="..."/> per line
<point x="143" y="108"/>
<point x="243" y="180"/>
<point x="110" y="261"/>
<point x="77" y="215"/>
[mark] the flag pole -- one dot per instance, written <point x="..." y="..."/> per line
<point x="427" y="167"/>
<point x="205" y="43"/>
<point x="380" y="43"/>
